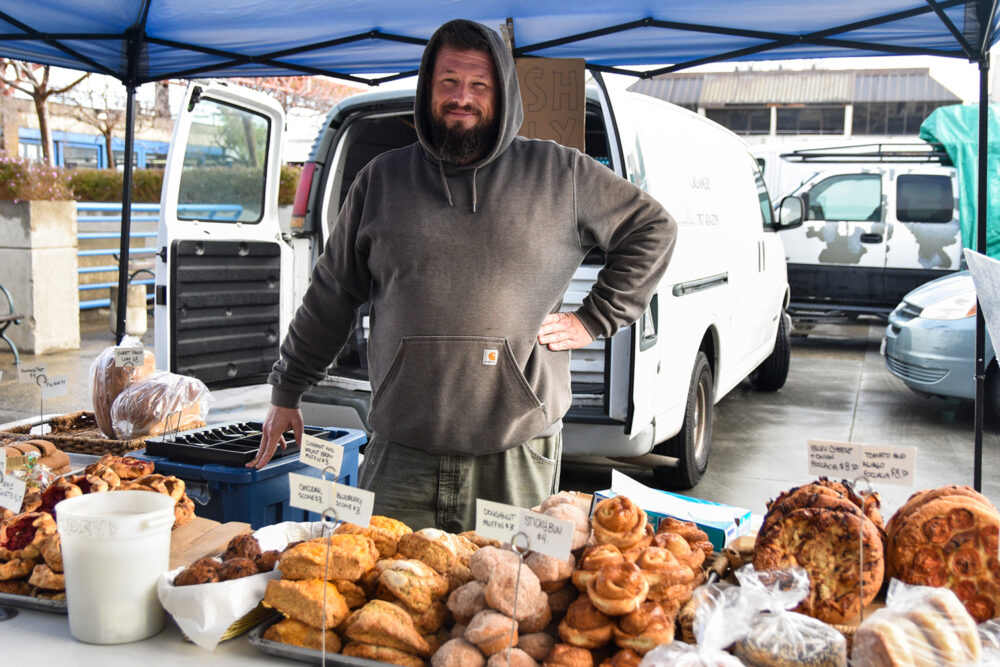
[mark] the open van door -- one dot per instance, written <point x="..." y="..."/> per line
<point x="222" y="259"/>
<point x="636" y="398"/>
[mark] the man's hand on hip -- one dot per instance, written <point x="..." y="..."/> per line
<point x="277" y="421"/>
<point x="564" y="331"/>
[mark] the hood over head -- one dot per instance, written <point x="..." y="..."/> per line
<point x="509" y="112"/>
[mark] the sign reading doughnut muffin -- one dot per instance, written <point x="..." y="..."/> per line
<point x="544" y="534"/>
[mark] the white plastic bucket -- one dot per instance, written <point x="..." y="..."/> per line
<point x="115" y="545"/>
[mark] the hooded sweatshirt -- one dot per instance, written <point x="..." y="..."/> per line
<point x="461" y="264"/>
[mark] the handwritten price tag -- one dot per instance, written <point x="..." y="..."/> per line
<point x="28" y="373"/>
<point x="354" y="505"/>
<point x="129" y="356"/>
<point x="320" y="453"/>
<point x="496" y="521"/>
<point x="834" y="458"/>
<point x="547" y="535"/>
<point x="11" y="493"/>
<point x="889" y="465"/>
<point x="309" y="493"/>
<point x="54" y="387"/>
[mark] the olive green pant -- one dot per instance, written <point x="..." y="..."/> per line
<point x="430" y="490"/>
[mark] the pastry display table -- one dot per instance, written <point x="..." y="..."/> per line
<point x="32" y="634"/>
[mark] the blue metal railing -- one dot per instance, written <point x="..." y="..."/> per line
<point x="112" y="212"/>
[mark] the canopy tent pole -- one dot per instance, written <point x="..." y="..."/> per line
<point x="126" y="225"/>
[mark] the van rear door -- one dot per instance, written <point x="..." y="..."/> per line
<point x="219" y="308"/>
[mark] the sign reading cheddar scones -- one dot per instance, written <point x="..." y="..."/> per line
<point x="318" y="495"/>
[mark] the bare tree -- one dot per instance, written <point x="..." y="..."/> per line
<point x="102" y="107"/>
<point x="33" y="81"/>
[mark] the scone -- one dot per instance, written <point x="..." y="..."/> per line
<point x="290" y="631"/>
<point x="303" y="601"/>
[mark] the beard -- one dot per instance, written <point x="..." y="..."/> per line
<point x="459" y="145"/>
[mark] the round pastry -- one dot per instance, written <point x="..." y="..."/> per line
<point x="242" y="546"/>
<point x="681" y="550"/>
<point x="686" y="529"/>
<point x="458" y="653"/>
<point x="491" y="631"/>
<point x="633" y="551"/>
<point x="593" y="559"/>
<point x="661" y="568"/>
<point x="511" y="657"/>
<point x="540" y="616"/>
<point x="213" y="563"/>
<point x="183" y="511"/>
<point x="559" y="600"/>
<point x="551" y="572"/>
<point x="52" y="552"/>
<point x="486" y="560"/>
<point x="618" y="589"/>
<point x="619" y="521"/>
<point x="57" y="492"/>
<point x="536" y="644"/>
<point x="22" y="536"/>
<point x="585" y="626"/>
<point x="466" y="601"/>
<point x="386" y="654"/>
<point x="266" y="561"/>
<point x="561" y="498"/>
<point x="43" y="577"/>
<point x="825" y="543"/>
<point x="16" y="568"/>
<point x="90" y="483"/>
<point x="504" y="582"/>
<point x="645" y="628"/>
<point x="577" y="517"/>
<point x="196" y="574"/>
<point x="237" y="568"/>
<point x="127" y="467"/>
<point x="566" y="655"/>
<point x="623" y="658"/>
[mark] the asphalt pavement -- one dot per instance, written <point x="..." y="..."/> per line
<point x="838" y="389"/>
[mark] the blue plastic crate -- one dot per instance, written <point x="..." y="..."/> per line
<point x="258" y="497"/>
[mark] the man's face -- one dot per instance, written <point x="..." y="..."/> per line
<point x="463" y="103"/>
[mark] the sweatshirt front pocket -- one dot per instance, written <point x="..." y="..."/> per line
<point x="456" y="395"/>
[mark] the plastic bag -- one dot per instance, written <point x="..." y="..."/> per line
<point x="779" y="637"/>
<point x="722" y="617"/>
<point x="107" y="380"/>
<point x="919" y="625"/>
<point x="989" y="637"/>
<point x="162" y="403"/>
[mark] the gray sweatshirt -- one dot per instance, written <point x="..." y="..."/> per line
<point x="461" y="265"/>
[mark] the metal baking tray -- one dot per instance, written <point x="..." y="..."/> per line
<point x="309" y="655"/>
<point x="28" y="602"/>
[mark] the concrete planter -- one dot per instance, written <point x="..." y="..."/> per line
<point x="38" y="264"/>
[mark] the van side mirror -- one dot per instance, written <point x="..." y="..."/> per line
<point x="791" y="212"/>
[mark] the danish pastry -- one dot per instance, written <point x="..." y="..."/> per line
<point x="567" y="655"/>
<point x="57" y="492"/>
<point x="619" y="521"/>
<point x="592" y="560"/>
<point x="585" y="626"/>
<point x="618" y="589"/>
<point x="52" y="552"/>
<point x="645" y="628"/>
<point x="22" y="536"/>
<point x="16" y="568"/>
<point x="43" y="577"/>
<point x="89" y="483"/>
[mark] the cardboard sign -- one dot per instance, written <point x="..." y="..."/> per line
<point x="11" y="493"/>
<point x="53" y="387"/>
<point x="129" y="356"/>
<point x="554" y="101"/>
<point x="28" y="373"/>
<point x="889" y="465"/>
<point x="309" y="493"/>
<point x="321" y="454"/>
<point x="547" y="535"/>
<point x="496" y="521"/>
<point x="354" y="505"/>
<point x="834" y="458"/>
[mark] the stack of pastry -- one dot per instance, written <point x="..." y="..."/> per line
<point x="46" y="453"/>
<point x="242" y="558"/>
<point x="947" y="537"/>
<point x="818" y="527"/>
<point x="30" y="549"/>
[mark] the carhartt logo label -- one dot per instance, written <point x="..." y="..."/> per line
<point x="490" y="357"/>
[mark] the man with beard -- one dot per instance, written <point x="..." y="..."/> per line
<point x="464" y="244"/>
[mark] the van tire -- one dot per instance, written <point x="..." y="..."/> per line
<point x="691" y="446"/>
<point x="773" y="371"/>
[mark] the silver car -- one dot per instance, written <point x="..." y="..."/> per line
<point x="930" y="343"/>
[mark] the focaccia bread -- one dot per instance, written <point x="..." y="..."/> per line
<point x="949" y="541"/>
<point x="825" y="544"/>
<point x="107" y="381"/>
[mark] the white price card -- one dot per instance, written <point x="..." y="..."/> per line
<point x="27" y="373"/>
<point x="3" y="464"/>
<point x="11" y="493"/>
<point x="129" y="356"/>
<point x="546" y="534"/>
<point x="54" y="387"/>
<point x="496" y="521"/>
<point x="354" y="505"/>
<point x="310" y="493"/>
<point x="320" y="453"/>
<point x="834" y="458"/>
<point x="889" y="465"/>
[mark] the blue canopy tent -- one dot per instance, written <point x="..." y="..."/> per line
<point x="138" y="41"/>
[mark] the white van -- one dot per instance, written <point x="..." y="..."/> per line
<point x="229" y="277"/>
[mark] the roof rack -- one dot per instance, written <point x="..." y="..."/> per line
<point x="917" y="152"/>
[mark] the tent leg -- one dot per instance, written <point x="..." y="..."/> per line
<point x="126" y="226"/>
<point x="984" y="70"/>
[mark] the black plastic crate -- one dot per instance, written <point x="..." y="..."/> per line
<point x="230" y="444"/>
